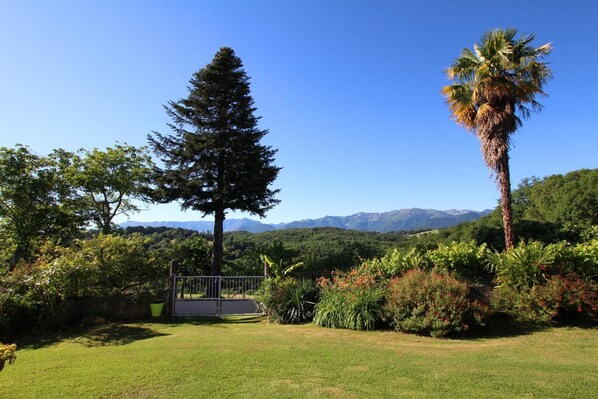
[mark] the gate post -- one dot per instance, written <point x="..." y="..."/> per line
<point x="219" y="296"/>
<point x="174" y="270"/>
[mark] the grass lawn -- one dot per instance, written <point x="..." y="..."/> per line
<point x="249" y="358"/>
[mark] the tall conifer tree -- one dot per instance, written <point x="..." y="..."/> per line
<point x="214" y="161"/>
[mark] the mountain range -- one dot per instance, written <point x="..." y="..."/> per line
<point x="398" y="220"/>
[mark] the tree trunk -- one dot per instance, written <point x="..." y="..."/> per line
<point x="217" y="254"/>
<point x="106" y="228"/>
<point x="218" y="250"/>
<point x="504" y="184"/>
<point x="21" y="253"/>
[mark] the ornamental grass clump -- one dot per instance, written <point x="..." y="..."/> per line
<point x="287" y="300"/>
<point x="351" y="300"/>
<point x="433" y="304"/>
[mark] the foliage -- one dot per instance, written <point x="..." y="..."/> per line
<point x="552" y="209"/>
<point x="562" y="199"/>
<point x="193" y="255"/>
<point x="541" y="284"/>
<point x="494" y="86"/>
<point x="533" y="263"/>
<point x="428" y="303"/>
<point x="113" y="264"/>
<point x="580" y="259"/>
<point x="397" y="262"/>
<point x="7" y="354"/>
<point x="320" y="249"/>
<point x="31" y="295"/>
<point x="191" y="249"/>
<point x="287" y="300"/>
<point x="35" y="202"/>
<point x="558" y="299"/>
<point x="351" y="300"/>
<point x="52" y="197"/>
<point x="465" y="260"/>
<point x="111" y="181"/>
<point x="214" y="160"/>
<point x="524" y="266"/>
<point x="277" y="270"/>
<point x="24" y="305"/>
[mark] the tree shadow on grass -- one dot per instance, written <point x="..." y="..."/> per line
<point x="503" y="327"/>
<point x="116" y="334"/>
<point x="125" y="332"/>
<point x="500" y="330"/>
<point x="210" y="320"/>
<point x="100" y="335"/>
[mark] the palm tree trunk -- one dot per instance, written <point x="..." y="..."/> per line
<point x="504" y="184"/>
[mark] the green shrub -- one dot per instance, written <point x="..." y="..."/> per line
<point x="559" y="299"/>
<point x="351" y="300"/>
<point x="287" y="300"/>
<point x="24" y="303"/>
<point x="429" y="303"/>
<point x="31" y="294"/>
<point x="465" y="260"/>
<point x="580" y="259"/>
<point x="396" y="263"/>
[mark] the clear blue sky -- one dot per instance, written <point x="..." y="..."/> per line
<point x="350" y="90"/>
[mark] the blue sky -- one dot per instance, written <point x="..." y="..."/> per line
<point x="350" y="90"/>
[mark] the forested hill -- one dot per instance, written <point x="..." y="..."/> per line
<point x="549" y="209"/>
<point x="398" y="220"/>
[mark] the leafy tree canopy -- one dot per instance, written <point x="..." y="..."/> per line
<point x="35" y="200"/>
<point x="111" y="181"/>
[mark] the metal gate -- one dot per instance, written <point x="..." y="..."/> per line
<point x="215" y="295"/>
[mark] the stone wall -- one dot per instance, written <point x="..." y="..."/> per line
<point x="90" y="310"/>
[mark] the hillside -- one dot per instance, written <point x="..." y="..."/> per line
<point x="398" y="220"/>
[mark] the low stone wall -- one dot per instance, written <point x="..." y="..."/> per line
<point x="91" y="310"/>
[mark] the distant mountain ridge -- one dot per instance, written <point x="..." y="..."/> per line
<point x="398" y="220"/>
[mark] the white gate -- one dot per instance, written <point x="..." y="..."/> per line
<point x="215" y="295"/>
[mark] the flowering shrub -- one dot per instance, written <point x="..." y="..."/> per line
<point x="287" y="300"/>
<point x="429" y="303"/>
<point x="559" y="299"/>
<point x="7" y="354"/>
<point x="350" y="300"/>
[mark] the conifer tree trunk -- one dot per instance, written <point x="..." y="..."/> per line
<point x="218" y="248"/>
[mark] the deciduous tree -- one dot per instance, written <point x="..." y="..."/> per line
<point x="111" y="181"/>
<point x="35" y="200"/>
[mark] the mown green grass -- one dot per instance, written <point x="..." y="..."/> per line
<point x="249" y="358"/>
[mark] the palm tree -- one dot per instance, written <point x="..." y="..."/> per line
<point x="494" y="88"/>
